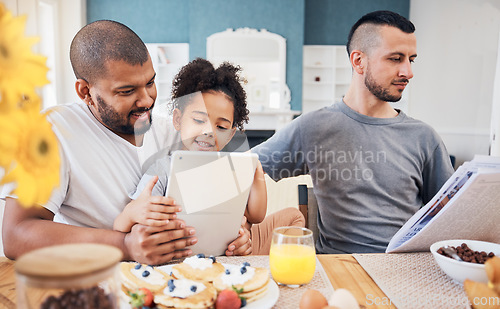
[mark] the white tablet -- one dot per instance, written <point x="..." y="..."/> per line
<point x="213" y="189"/>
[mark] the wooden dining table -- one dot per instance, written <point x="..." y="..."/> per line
<point x="342" y="270"/>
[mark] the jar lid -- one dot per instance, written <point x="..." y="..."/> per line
<point x="68" y="260"/>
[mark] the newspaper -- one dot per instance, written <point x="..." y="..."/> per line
<point x="466" y="207"/>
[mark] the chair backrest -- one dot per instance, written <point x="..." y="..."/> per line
<point x="309" y="208"/>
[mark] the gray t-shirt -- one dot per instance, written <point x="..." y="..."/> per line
<point x="370" y="175"/>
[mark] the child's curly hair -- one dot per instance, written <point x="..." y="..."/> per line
<point x="200" y="75"/>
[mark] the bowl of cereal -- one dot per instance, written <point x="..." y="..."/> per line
<point x="473" y="253"/>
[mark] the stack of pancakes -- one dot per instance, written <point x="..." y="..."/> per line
<point x="253" y="289"/>
<point x="209" y="279"/>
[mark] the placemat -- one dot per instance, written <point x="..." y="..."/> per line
<point x="289" y="297"/>
<point x="413" y="280"/>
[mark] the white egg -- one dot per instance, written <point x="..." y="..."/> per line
<point x="343" y="299"/>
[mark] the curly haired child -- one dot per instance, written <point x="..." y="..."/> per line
<point x="208" y="106"/>
<point x="200" y="76"/>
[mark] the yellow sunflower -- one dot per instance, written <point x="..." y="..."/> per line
<point x="3" y="10"/>
<point x="9" y="138"/>
<point x="9" y="133"/>
<point x="36" y="167"/>
<point x="20" y="69"/>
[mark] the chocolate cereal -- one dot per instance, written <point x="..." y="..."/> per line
<point x="469" y="255"/>
<point x="94" y="298"/>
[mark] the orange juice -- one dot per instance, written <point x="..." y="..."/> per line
<point x="292" y="263"/>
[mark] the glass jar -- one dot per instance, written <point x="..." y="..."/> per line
<point x="69" y="276"/>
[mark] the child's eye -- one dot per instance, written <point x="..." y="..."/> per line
<point x="222" y="128"/>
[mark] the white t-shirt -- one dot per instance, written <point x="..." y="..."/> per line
<point x="99" y="169"/>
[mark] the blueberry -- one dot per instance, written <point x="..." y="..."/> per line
<point x="243" y="270"/>
<point x="138" y="266"/>
<point x="170" y="282"/>
<point x="171" y="274"/>
<point x="200" y="256"/>
<point x="246" y="264"/>
<point x="171" y="288"/>
<point x="228" y="272"/>
<point x="145" y="273"/>
<point x="212" y="258"/>
<point x="243" y="302"/>
<point x="193" y="288"/>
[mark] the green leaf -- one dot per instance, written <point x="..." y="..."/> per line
<point x="238" y="291"/>
<point x="136" y="299"/>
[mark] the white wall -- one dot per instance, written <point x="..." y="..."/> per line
<point x="495" y="113"/>
<point x="24" y="7"/>
<point x="71" y="17"/>
<point x="457" y="44"/>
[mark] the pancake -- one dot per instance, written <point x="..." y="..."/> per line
<point x="242" y="277"/>
<point x="198" y="267"/>
<point x="255" y="294"/>
<point x="204" y="296"/>
<point x="135" y="275"/>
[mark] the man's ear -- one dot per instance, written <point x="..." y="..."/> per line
<point x="176" y="119"/>
<point x="83" y="90"/>
<point x="357" y="59"/>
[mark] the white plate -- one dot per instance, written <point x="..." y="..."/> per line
<point x="266" y="302"/>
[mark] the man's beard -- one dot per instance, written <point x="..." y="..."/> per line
<point x="113" y="120"/>
<point x="379" y="92"/>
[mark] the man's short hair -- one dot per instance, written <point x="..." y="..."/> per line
<point x="363" y="34"/>
<point x="101" y="41"/>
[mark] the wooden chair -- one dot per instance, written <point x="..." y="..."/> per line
<point x="309" y="208"/>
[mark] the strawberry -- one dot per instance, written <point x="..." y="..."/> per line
<point x="228" y="299"/>
<point x="142" y="297"/>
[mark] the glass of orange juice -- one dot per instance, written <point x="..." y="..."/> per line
<point x="292" y="257"/>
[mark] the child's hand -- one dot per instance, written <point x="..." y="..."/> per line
<point x="152" y="210"/>
<point x="243" y="244"/>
